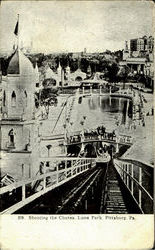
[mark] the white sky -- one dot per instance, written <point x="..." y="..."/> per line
<point x="73" y="25"/>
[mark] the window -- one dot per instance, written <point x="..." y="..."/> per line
<point x="11" y="138"/>
<point x="13" y="99"/>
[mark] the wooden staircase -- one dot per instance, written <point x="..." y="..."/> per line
<point x="115" y="203"/>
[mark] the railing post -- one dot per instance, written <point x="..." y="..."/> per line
<point x="127" y="177"/>
<point x="132" y="179"/>
<point x="23" y="192"/>
<point x="140" y="182"/>
<point x="44" y="179"/>
<point x="122" y="171"/>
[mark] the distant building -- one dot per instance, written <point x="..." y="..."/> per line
<point x="144" y="44"/>
<point x="139" y="58"/>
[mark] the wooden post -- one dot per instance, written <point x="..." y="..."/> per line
<point x="23" y="192"/>
<point x="44" y="179"/>
<point x="127" y="175"/>
<point x="132" y="179"/>
<point x="140" y="182"/>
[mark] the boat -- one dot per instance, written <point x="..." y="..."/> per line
<point x="102" y="157"/>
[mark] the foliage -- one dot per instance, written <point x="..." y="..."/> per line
<point x="112" y="70"/>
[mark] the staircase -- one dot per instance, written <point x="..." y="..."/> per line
<point x="115" y="203"/>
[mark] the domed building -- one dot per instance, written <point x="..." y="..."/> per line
<point x="18" y="88"/>
<point x="18" y="130"/>
<point x="50" y="74"/>
<point x="78" y="75"/>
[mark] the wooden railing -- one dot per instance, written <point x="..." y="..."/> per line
<point x="139" y="181"/>
<point x="107" y="137"/>
<point x="58" y="172"/>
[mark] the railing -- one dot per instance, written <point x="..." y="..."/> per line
<point x="139" y="181"/>
<point x="121" y="139"/>
<point x="52" y="173"/>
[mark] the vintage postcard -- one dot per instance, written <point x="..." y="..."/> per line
<point x="76" y="124"/>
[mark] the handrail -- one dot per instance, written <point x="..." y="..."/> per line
<point x="68" y="173"/>
<point x="151" y="198"/>
<point x="127" y="171"/>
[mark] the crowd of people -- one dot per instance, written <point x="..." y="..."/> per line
<point x="98" y="133"/>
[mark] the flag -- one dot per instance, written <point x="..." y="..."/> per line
<point x="16" y="29"/>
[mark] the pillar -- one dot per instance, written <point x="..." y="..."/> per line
<point x="127" y="109"/>
<point x="110" y="90"/>
<point x="91" y="90"/>
<point x="109" y="100"/>
<point x="83" y="90"/>
<point x="100" y="89"/>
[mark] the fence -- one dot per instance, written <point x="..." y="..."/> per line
<point x="139" y="181"/>
<point x="52" y="173"/>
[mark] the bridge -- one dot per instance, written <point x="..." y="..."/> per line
<point x="117" y="187"/>
<point x="82" y="141"/>
<point x="121" y="140"/>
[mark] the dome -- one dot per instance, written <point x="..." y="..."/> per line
<point x="20" y="64"/>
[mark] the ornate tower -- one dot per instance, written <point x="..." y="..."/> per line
<point x="68" y="72"/>
<point x="18" y="88"/>
<point x="126" y="51"/>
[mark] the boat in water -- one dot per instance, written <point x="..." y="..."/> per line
<point x="102" y="156"/>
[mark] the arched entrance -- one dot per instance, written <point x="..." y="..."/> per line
<point x="73" y="150"/>
<point x="90" y="150"/>
<point x="78" y="78"/>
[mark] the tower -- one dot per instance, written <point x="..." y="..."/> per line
<point x="68" y="72"/>
<point x="126" y="51"/>
<point x="36" y="72"/>
<point x="18" y="88"/>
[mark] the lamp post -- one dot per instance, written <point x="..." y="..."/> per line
<point x="48" y="148"/>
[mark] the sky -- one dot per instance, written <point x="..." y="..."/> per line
<point x="58" y="26"/>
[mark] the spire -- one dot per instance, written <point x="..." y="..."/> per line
<point x="59" y="66"/>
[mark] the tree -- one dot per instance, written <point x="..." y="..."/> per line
<point x="123" y="74"/>
<point x="112" y="70"/>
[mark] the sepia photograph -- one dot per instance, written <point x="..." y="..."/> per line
<point x="77" y="109"/>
